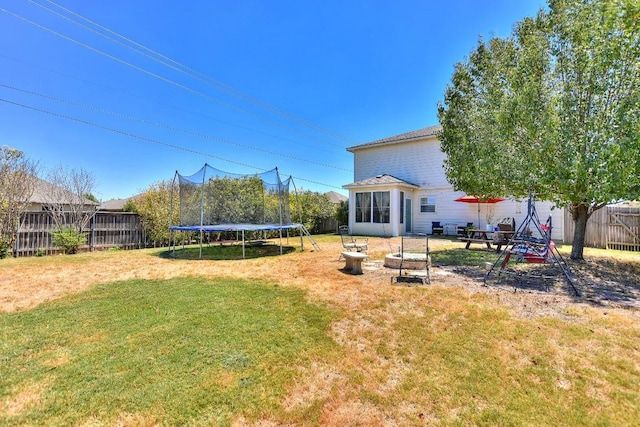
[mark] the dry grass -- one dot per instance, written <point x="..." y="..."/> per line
<point x="395" y="370"/>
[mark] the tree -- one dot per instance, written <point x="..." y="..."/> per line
<point x="553" y="109"/>
<point x="68" y="206"/>
<point x="153" y="206"/>
<point x="17" y="182"/>
<point x="313" y="208"/>
<point x="342" y="212"/>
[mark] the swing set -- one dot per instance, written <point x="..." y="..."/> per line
<point x="531" y="243"/>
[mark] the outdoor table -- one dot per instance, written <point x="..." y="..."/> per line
<point x="451" y="229"/>
<point x="502" y="238"/>
<point x="354" y="261"/>
<point x="477" y="236"/>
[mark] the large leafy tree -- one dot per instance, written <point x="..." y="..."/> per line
<point x="553" y="109"/>
<point x="312" y="208"/>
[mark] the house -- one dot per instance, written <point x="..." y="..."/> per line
<point x="107" y="225"/>
<point x="115" y="205"/>
<point x="400" y="187"/>
<point x="45" y="195"/>
<point x="335" y="197"/>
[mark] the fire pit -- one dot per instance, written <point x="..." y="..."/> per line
<point x="409" y="261"/>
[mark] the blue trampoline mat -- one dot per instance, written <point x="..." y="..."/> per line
<point x="233" y="227"/>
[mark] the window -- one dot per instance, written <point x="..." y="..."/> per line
<point x="381" y="206"/>
<point x="363" y="207"/>
<point x="373" y="207"/>
<point x="427" y="204"/>
<point x="401" y="207"/>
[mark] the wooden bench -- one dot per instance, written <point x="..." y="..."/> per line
<point x="354" y="261"/>
<point x="470" y="240"/>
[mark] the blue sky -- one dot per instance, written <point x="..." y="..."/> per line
<point x="245" y="86"/>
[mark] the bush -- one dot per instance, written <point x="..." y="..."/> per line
<point x="69" y="239"/>
<point x="5" y="249"/>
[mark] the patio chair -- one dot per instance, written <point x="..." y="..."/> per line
<point x="351" y="244"/>
<point x="462" y="230"/>
<point x="436" y="228"/>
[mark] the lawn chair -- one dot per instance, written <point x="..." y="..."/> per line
<point x="462" y="230"/>
<point x="349" y="243"/>
<point x="436" y="228"/>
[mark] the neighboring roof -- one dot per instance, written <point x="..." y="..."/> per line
<point x="380" y="180"/>
<point x="404" y="137"/>
<point x="43" y="189"/>
<point x="336" y="197"/>
<point x="113" y="205"/>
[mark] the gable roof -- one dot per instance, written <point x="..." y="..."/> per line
<point x="336" y="197"/>
<point x="403" y="137"/>
<point x="381" y="180"/>
<point x="113" y="204"/>
<point x="43" y="189"/>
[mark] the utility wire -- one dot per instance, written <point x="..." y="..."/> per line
<point x="157" y="76"/>
<point x="172" y="128"/>
<point x="191" y="72"/>
<point x="146" y="139"/>
<point x="173" y="107"/>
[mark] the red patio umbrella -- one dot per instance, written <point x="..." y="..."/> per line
<point x="478" y="200"/>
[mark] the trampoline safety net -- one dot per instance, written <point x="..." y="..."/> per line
<point x="222" y="200"/>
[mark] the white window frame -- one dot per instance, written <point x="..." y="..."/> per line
<point x="427" y="204"/>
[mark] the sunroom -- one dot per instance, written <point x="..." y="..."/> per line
<point x="383" y="206"/>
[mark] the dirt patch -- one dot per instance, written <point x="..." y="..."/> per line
<point x="601" y="282"/>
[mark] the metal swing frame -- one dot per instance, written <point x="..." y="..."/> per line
<point x="520" y="244"/>
<point x="403" y="277"/>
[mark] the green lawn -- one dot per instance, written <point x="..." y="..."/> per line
<point x="350" y="350"/>
<point x="180" y="351"/>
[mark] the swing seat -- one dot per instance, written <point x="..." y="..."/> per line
<point x="531" y="255"/>
<point x="534" y="258"/>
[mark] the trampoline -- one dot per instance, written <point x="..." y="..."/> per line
<point x="213" y="201"/>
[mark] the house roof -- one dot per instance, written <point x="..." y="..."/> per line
<point x="404" y="137"/>
<point x="42" y="193"/>
<point x="336" y="197"/>
<point x="113" y="205"/>
<point x="381" y="180"/>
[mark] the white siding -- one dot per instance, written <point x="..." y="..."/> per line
<point x="422" y="163"/>
<point x="419" y="163"/>
<point x="448" y="211"/>
<point x="377" y="229"/>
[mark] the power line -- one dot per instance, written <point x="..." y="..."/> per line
<point x="156" y="75"/>
<point x="172" y="128"/>
<point x="159" y="77"/>
<point x="191" y="72"/>
<point x="172" y="106"/>
<point x="146" y="139"/>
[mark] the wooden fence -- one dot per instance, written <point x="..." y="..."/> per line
<point x="106" y="230"/>
<point x="612" y="227"/>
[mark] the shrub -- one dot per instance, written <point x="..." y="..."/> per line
<point x="5" y="249"/>
<point x="68" y="239"/>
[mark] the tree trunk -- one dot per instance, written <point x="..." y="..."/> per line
<point x="580" y="214"/>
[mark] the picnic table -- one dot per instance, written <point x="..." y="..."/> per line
<point x="477" y="236"/>
<point x="502" y="238"/>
